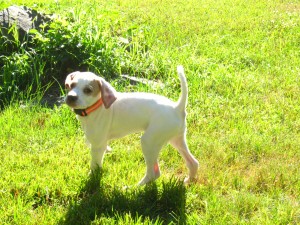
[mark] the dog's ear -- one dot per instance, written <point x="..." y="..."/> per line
<point x="70" y="79"/>
<point x="108" y="93"/>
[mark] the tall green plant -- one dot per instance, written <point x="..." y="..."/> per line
<point x="61" y="47"/>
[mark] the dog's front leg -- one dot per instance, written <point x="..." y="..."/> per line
<point x="97" y="155"/>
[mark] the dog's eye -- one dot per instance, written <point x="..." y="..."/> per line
<point x="87" y="90"/>
<point x="69" y="87"/>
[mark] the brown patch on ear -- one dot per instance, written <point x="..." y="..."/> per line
<point x="108" y="93"/>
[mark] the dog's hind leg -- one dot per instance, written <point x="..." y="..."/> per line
<point x="150" y="148"/>
<point x="180" y="144"/>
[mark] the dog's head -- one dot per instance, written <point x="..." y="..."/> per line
<point x="85" y="88"/>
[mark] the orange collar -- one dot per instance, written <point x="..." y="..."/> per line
<point x="87" y="111"/>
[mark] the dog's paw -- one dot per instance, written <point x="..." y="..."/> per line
<point x="189" y="180"/>
<point x="147" y="179"/>
<point x="144" y="181"/>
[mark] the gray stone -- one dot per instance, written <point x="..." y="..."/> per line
<point x="24" y="19"/>
<point x="137" y="80"/>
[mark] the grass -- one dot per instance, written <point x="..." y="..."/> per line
<point x="242" y="65"/>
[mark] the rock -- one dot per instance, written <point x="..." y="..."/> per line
<point x="24" y="18"/>
<point x="136" y="80"/>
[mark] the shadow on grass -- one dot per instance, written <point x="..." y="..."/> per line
<point x="96" y="200"/>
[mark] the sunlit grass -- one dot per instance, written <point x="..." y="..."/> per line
<point x="242" y="65"/>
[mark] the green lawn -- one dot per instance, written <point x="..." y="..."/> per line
<point x="242" y="62"/>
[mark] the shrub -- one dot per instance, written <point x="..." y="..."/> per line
<point x="61" y="47"/>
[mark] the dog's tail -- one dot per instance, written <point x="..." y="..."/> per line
<point x="182" y="102"/>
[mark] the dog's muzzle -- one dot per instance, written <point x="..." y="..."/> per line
<point x="71" y="100"/>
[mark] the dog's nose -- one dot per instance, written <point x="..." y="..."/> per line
<point x="71" y="99"/>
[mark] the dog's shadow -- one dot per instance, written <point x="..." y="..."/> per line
<point x="96" y="200"/>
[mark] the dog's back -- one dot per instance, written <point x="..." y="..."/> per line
<point x="135" y="111"/>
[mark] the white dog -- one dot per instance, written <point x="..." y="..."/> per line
<point x="107" y="114"/>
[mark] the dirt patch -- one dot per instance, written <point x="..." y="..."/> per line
<point x="290" y="7"/>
